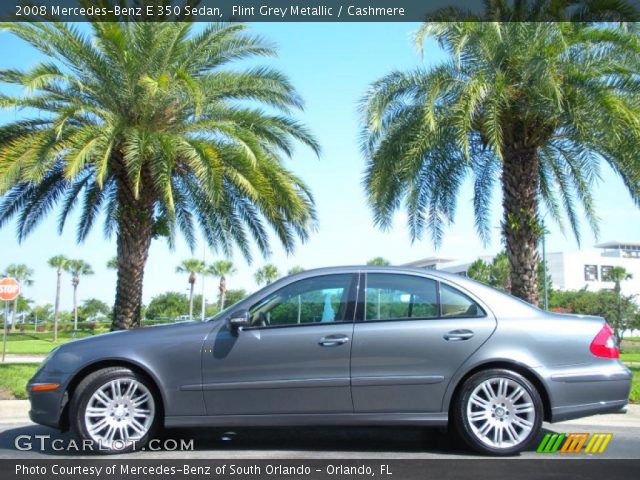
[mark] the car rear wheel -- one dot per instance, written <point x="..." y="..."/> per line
<point x="498" y="412"/>
<point x="115" y="409"/>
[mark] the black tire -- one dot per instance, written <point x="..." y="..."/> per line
<point x="465" y="429"/>
<point x="82" y="396"/>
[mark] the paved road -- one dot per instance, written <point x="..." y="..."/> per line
<point x="309" y="443"/>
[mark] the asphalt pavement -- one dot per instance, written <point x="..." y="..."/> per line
<point x="303" y="443"/>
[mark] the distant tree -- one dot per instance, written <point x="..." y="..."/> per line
<point x="602" y="303"/>
<point x="617" y="275"/>
<point x="221" y="269"/>
<point x="498" y="274"/>
<point x="192" y="266"/>
<point x="77" y="268"/>
<point x="295" y="269"/>
<point x="480" y="271"/>
<point x="379" y="262"/>
<point x="24" y="306"/>
<point x="501" y="272"/>
<point x="92" y="309"/>
<point x="23" y="275"/>
<point x="267" y="274"/>
<point x="41" y="313"/>
<point x="59" y="262"/>
<point x="167" y="305"/>
<point x="233" y="296"/>
<point x="495" y="273"/>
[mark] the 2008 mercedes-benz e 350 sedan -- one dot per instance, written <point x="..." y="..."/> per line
<point x="342" y="346"/>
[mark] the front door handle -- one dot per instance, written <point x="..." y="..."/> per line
<point x="458" y="335"/>
<point x="333" y="340"/>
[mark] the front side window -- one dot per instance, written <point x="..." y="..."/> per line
<point x="313" y="300"/>
<point x="392" y="296"/>
<point x="456" y="304"/>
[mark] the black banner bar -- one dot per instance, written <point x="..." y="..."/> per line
<point x="198" y="469"/>
<point x="318" y="10"/>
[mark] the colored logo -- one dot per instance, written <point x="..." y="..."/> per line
<point x="574" y="443"/>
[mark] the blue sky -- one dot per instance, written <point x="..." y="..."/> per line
<point x="332" y="65"/>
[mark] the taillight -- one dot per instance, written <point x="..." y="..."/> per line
<point x="605" y="344"/>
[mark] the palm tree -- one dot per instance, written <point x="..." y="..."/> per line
<point x="267" y="274"/>
<point x="535" y="106"/>
<point x="112" y="263"/>
<point x="59" y="262"/>
<point x="144" y="123"/>
<point x="221" y="269"/>
<point x="192" y="266"/>
<point x="618" y="275"/>
<point x="23" y="275"/>
<point x="77" y="268"/>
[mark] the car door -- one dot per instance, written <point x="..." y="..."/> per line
<point x="294" y="358"/>
<point x="412" y="335"/>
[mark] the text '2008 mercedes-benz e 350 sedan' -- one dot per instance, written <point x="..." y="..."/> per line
<point x="342" y="346"/>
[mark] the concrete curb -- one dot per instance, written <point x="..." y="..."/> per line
<point x="13" y="358"/>
<point x="17" y="411"/>
<point x="14" y="411"/>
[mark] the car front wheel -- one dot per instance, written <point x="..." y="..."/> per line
<point x="498" y="412"/>
<point x="115" y="409"/>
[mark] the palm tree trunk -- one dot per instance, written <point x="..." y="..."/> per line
<point x="75" y="307"/>
<point x="56" y="313"/>
<point x="223" y="291"/>
<point x="135" y="231"/>
<point x="521" y="228"/>
<point x="191" y="285"/>
<point x="15" y="312"/>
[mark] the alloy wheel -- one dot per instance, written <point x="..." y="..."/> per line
<point x="119" y="413"/>
<point x="501" y="413"/>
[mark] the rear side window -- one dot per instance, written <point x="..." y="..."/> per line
<point x="392" y="296"/>
<point x="454" y="303"/>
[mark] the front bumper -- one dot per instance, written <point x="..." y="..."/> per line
<point x="48" y="407"/>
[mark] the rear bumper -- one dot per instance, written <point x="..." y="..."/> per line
<point x="561" y="414"/>
<point x="585" y="391"/>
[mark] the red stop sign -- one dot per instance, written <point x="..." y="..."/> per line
<point x="9" y="289"/>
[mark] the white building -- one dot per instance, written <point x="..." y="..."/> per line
<point x="571" y="270"/>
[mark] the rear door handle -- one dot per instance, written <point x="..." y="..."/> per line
<point x="458" y="335"/>
<point x="333" y="340"/>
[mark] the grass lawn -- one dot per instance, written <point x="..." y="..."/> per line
<point x="14" y="378"/>
<point x="38" y="343"/>
<point x="630" y="357"/>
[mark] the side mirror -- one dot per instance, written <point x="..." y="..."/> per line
<point x="239" y="319"/>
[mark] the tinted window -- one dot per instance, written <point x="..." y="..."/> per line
<point x="457" y="304"/>
<point x="392" y="296"/>
<point x="313" y="300"/>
